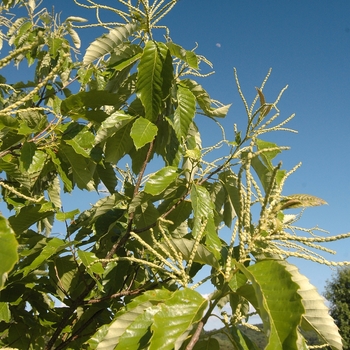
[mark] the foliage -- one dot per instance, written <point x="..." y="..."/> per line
<point x="124" y="273"/>
<point x="337" y="292"/>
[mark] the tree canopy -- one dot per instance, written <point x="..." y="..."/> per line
<point x="337" y="292"/>
<point x="121" y="120"/>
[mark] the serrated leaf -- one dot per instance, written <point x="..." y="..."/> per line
<point x="184" y="113"/>
<point x="109" y="42"/>
<point x="111" y="125"/>
<point x="56" y="161"/>
<point x="201" y="201"/>
<point x="177" y="314"/>
<point x="149" y="82"/>
<point x="54" y="192"/>
<point x="142" y="132"/>
<point x="279" y="302"/>
<point x="160" y="180"/>
<point x="8" y="249"/>
<point x="316" y="316"/>
<point x="301" y="201"/>
<point x="135" y="309"/>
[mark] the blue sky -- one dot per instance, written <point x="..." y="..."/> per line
<point x="307" y="45"/>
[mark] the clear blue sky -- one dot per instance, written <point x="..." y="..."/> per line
<point x="307" y="44"/>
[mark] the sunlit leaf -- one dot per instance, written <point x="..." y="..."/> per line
<point x="280" y="304"/>
<point x="184" y="112"/>
<point x="109" y="42"/>
<point x="149" y="82"/>
<point x="142" y="132"/>
<point x="5" y="313"/>
<point x="316" y="316"/>
<point x="8" y="252"/>
<point x="160" y="180"/>
<point x="182" y="311"/>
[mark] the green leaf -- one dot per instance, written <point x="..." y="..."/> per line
<point x="265" y="174"/>
<point x="8" y="251"/>
<point x="108" y="177"/>
<point x="54" y="192"/>
<point x="119" y="144"/>
<point x="28" y="216"/>
<point x="178" y="314"/>
<point x="52" y="246"/>
<point x="5" y="313"/>
<point x="108" y="43"/>
<point x="27" y="154"/>
<point x="149" y="82"/>
<point x="232" y="205"/>
<point x="67" y="216"/>
<point x="142" y="132"/>
<point x="242" y="342"/>
<point x="201" y="201"/>
<point x="207" y="344"/>
<point x="145" y="303"/>
<point x="204" y="101"/>
<point x="316" y="316"/>
<point x="202" y="207"/>
<point x="111" y="125"/>
<point x="184" y="113"/>
<point x="83" y="168"/>
<point x="77" y="105"/>
<point x="187" y="56"/>
<point x="88" y="259"/>
<point x="202" y="255"/>
<point x="280" y="304"/>
<point x="57" y="163"/>
<point x="160" y="180"/>
<point x="267" y="155"/>
<point x="81" y="139"/>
